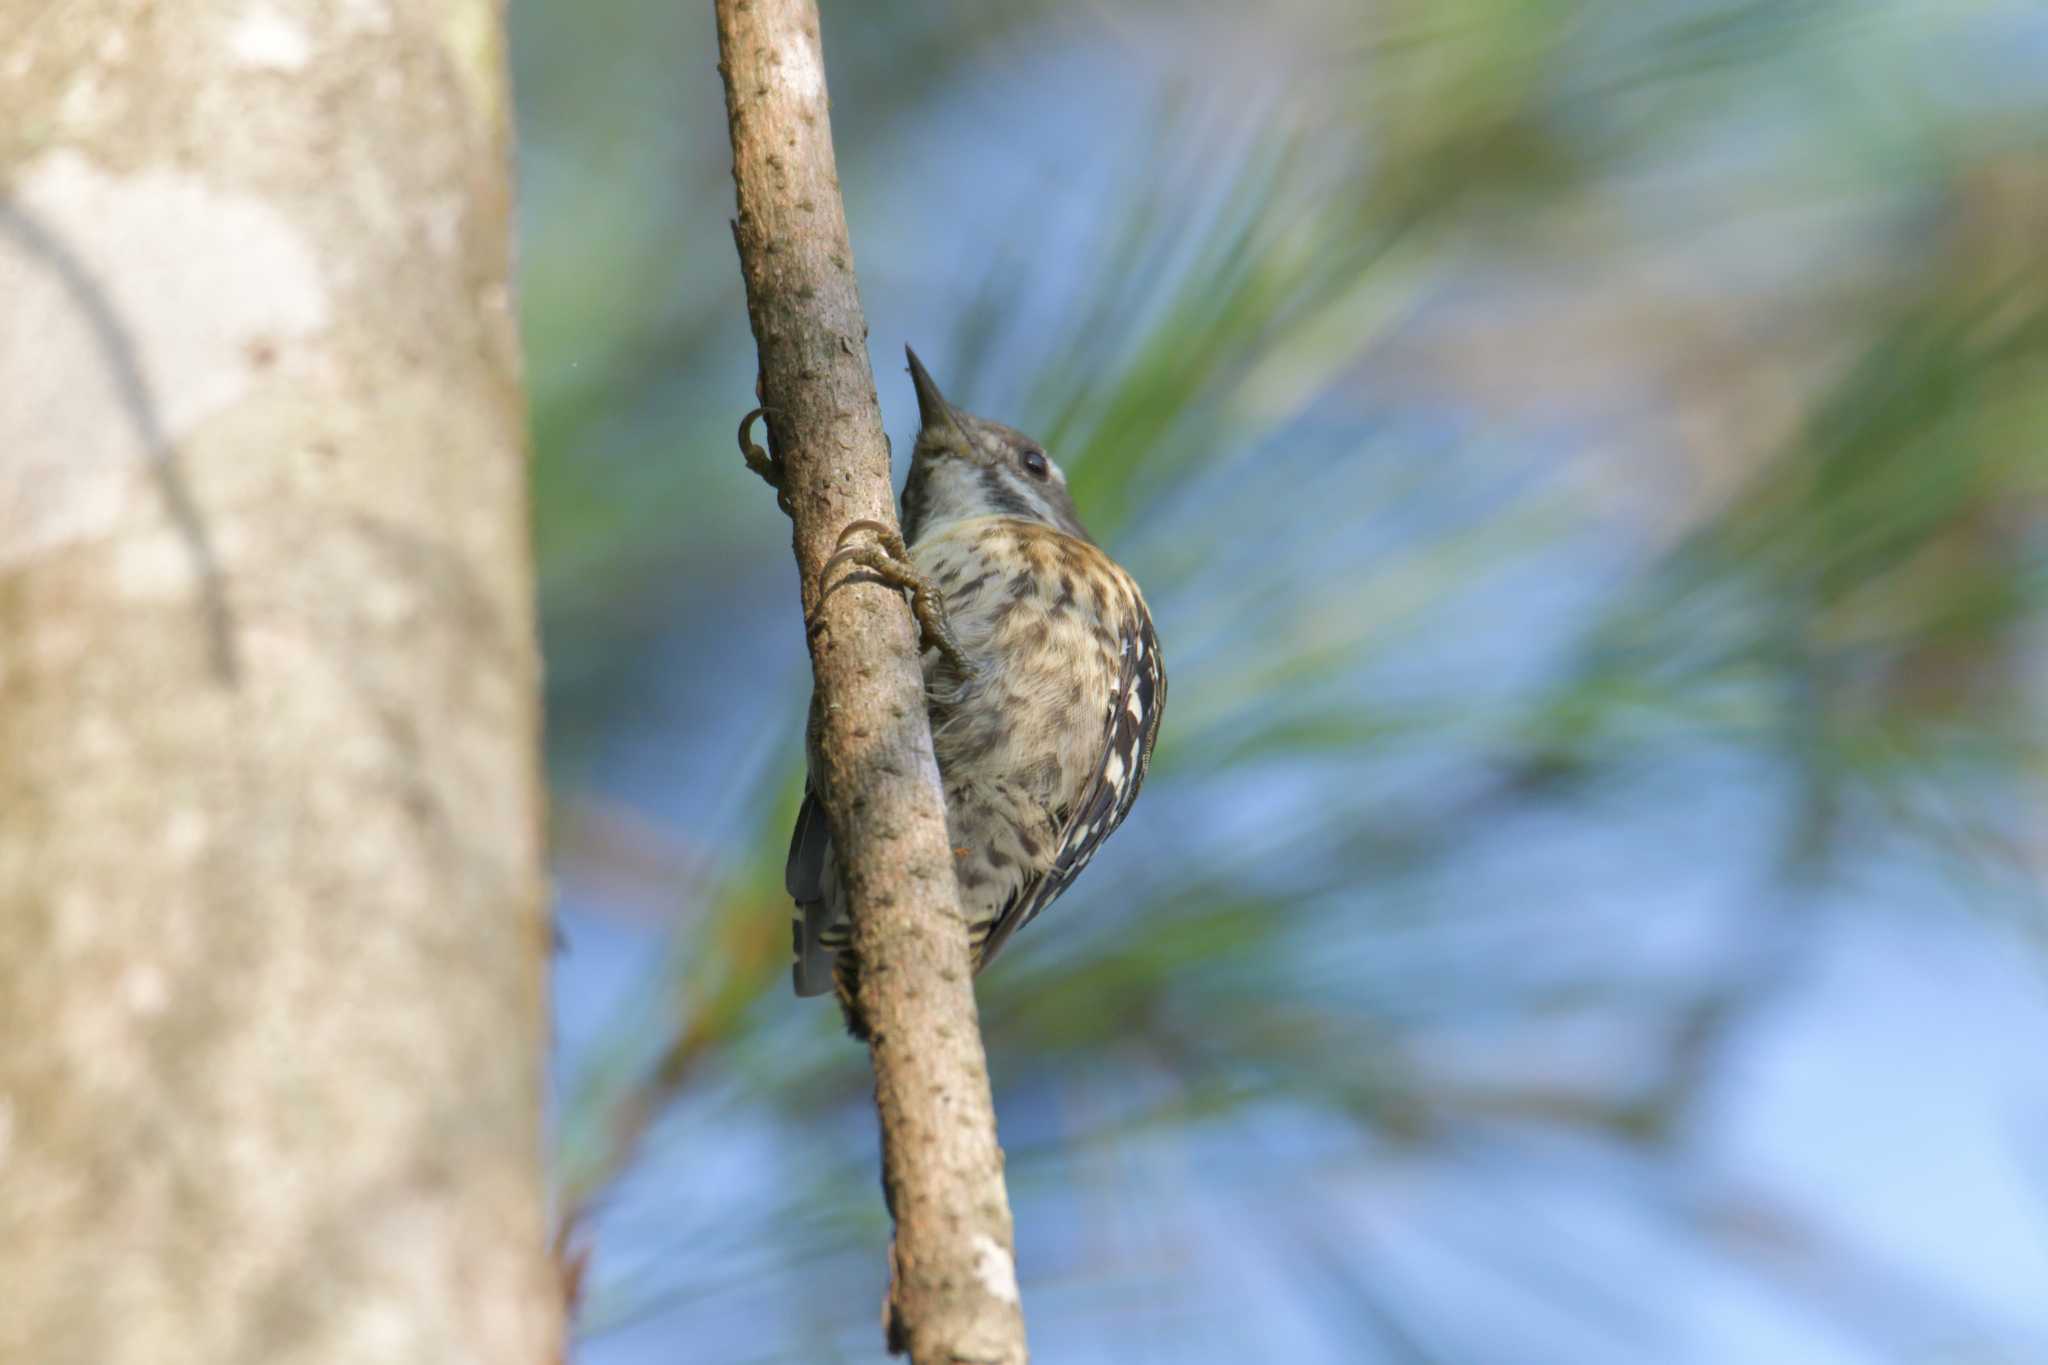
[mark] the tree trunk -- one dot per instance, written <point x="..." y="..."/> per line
<point x="953" y="1297"/>
<point x="273" y="938"/>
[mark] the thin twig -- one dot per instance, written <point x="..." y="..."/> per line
<point x="953" y="1297"/>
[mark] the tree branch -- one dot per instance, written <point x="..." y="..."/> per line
<point x="953" y="1297"/>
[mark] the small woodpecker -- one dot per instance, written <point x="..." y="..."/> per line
<point x="1042" y="674"/>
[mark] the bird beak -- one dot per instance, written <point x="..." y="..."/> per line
<point x="932" y="408"/>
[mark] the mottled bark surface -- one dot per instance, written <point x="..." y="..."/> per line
<point x="954" y="1292"/>
<point x="272" y="928"/>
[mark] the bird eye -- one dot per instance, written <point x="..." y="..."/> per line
<point x="1034" y="461"/>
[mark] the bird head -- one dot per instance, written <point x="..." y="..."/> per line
<point x="965" y="466"/>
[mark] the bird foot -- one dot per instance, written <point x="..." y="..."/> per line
<point x="763" y="462"/>
<point x="890" y="561"/>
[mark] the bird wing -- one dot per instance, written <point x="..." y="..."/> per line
<point x="1129" y="729"/>
<point x="804" y="876"/>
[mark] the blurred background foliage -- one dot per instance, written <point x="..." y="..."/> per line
<point x="1585" y="460"/>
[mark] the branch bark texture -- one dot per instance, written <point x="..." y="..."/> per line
<point x="954" y="1297"/>
<point x="273" y="938"/>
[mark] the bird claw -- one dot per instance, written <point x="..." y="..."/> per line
<point x="890" y="561"/>
<point x="763" y="462"/>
